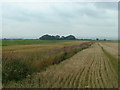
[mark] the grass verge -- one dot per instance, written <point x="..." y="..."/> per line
<point x="112" y="59"/>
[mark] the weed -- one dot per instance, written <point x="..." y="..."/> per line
<point x="15" y="71"/>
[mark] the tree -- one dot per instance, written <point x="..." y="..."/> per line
<point x="70" y="37"/>
<point x="57" y="37"/>
<point x="45" y="37"/>
<point x="104" y="39"/>
<point x="62" y="38"/>
<point x="97" y="39"/>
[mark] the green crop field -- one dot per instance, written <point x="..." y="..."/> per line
<point x="27" y="42"/>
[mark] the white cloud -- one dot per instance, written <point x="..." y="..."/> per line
<point x="80" y="19"/>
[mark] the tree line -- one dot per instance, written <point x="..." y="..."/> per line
<point x="57" y="37"/>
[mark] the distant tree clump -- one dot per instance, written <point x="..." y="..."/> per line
<point x="104" y="39"/>
<point x="97" y="39"/>
<point x="57" y="37"/>
<point x="70" y="37"/>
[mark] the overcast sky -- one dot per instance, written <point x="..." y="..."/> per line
<point x="84" y="20"/>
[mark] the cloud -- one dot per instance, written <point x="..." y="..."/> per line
<point x="107" y="5"/>
<point x="87" y="19"/>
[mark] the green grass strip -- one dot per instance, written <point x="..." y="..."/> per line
<point x="112" y="59"/>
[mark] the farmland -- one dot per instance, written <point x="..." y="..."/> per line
<point x="28" y="42"/>
<point x="62" y="64"/>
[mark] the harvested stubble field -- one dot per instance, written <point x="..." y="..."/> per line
<point x="94" y="67"/>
